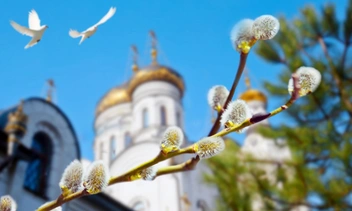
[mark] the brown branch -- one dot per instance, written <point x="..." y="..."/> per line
<point x="241" y="66"/>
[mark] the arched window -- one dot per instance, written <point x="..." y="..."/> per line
<point x="145" y="118"/>
<point x="162" y="115"/>
<point x="37" y="172"/>
<point x="178" y="119"/>
<point x="128" y="139"/>
<point x="112" y="148"/>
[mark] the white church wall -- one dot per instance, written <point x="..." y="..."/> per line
<point x="114" y="123"/>
<point x="196" y="189"/>
<point x="151" y="96"/>
<point x="107" y="117"/>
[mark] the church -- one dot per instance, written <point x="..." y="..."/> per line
<point x="38" y="141"/>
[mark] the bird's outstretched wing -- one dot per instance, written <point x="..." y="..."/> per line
<point x="33" y="20"/>
<point x="74" y="33"/>
<point x="33" y="41"/>
<point x="21" y="29"/>
<point x="108" y="15"/>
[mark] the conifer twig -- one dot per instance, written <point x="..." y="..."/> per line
<point x="342" y="91"/>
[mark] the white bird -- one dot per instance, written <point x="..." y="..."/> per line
<point x="35" y="30"/>
<point x="91" y="30"/>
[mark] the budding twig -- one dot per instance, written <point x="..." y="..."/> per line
<point x="61" y="200"/>
<point x="160" y="157"/>
<point x="260" y="117"/>
<point x="186" y="166"/>
<point x="242" y="64"/>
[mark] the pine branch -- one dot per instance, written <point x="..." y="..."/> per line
<point x="342" y="92"/>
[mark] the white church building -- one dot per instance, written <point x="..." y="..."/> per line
<point x="130" y="120"/>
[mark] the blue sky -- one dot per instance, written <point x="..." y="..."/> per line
<point x="193" y="39"/>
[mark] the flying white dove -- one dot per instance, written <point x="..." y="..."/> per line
<point x="35" y="30"/>
<point x="91" y="30"/>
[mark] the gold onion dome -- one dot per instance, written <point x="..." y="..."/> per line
<point x="252" y="95"/>
<point x="156" y="72"/>
<point x="115" y="96"/>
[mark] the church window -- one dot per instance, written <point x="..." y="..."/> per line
<point x="163" y="115"/>
<point x="128" y="139"/>
<point x="145" y="118"/>
<point x="112" y="148"/>
<point x="37" y="172"/>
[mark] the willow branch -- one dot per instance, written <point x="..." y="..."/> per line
<point x="186" y="166"/>
<point x="260" y="117"/>
<point x="122" y="178"/>
<point x="191" y="163"/>
<point x="61" y="200"/>
<point x="160" y="157"/>
<point x="242" y="64"/>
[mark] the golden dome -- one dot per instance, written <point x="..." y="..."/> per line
<point x="156" y="72"/>
<point x="253" y="94"/>
<point x="115" y="96"/>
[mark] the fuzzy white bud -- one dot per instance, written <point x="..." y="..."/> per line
<point x="209" y="147"/>
<point x="217" y="96"/>
<point x="265" y="27"/>
<point x="242" y="35"/>
<point x="71" y="179"/>
<point x="148" y="173"/>
<point x="96" y="178"/>
<point x="308" y="78"/>
<point x="236" y="113"/>
<point x="172" y="139"/>
<point x="7" y="203"/>
<point x="57" y="209"/>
